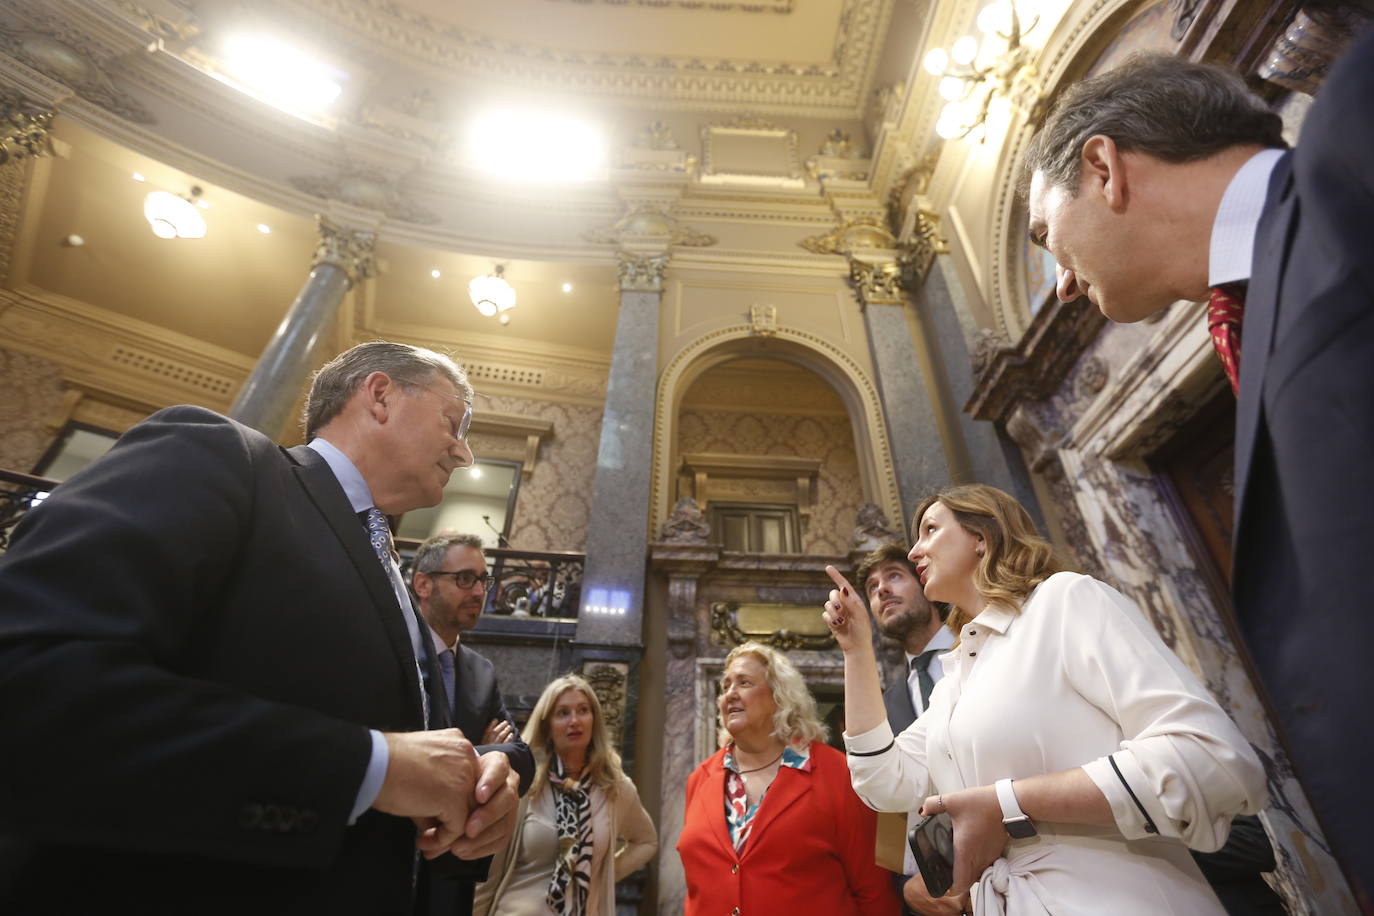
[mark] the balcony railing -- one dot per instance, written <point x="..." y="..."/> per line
<point x="529" y="583"/>
<point x="19" y="492"/>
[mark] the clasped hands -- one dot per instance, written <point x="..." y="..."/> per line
<point x="460" y="802"/>
<point x="979" y="836"/>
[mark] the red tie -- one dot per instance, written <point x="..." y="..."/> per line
<point x="1225" y="310"/>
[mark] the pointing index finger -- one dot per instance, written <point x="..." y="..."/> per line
<point x="838" y="578"/>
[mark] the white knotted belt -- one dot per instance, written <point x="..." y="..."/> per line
<point x="1009" y="886"/>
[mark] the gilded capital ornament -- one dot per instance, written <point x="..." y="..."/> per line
<point x="926" y="242"/>
<point x="876" y="284"/>
<point x="24" y="128"/>
<point x="350" y="250"/>
<point x="641" y="273"/>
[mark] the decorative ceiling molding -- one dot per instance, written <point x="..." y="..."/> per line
<point x="367" y="189"/>
<point x="716" y="6"/>
<point x="836" y="86"/>
<point x="649" y="221"/>
<point x="59" y="51"/>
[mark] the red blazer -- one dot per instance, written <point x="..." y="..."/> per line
<point x="810" y="849"/>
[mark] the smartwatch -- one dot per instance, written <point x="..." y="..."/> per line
<point x="1019" y="826"/>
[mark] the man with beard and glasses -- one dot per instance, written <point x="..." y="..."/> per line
<point x="450" y="581"/>
<point x="904" y="615"/>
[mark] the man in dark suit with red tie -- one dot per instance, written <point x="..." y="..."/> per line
<point x="1165" y="180"/>
<point x="215" y="697"/>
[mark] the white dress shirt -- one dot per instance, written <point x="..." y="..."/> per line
<point x="1232" y="249"/>
<point x="1077" y="675"/>
<point x="943" y="639"/>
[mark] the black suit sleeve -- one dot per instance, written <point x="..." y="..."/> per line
<point x="107" y="597"/>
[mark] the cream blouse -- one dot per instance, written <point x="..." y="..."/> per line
<point x="1077" y="675"/>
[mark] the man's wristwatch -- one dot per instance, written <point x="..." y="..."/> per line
<point x="1018" y="825"/>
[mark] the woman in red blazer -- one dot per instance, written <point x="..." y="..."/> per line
<point x="772" y="823"/>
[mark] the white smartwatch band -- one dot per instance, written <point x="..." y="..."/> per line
<point x="1018" y="825"/>
<point x="1007" y="798"/>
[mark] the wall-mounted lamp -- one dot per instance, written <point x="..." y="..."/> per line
<point x="490" y="293"/>
<point x="967" y="89"/>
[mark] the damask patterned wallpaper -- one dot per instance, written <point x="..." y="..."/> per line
<point x="839" y="489"/>
<point x="553" y="504"/>
<point x="33" y="398"/>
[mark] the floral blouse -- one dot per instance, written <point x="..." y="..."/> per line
<point x="739" y="814"/>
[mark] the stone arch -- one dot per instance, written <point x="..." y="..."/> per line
<point x="856" y="390"/>
<point x="1086" y="29"/>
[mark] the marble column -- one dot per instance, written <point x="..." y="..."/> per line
<point x="993" y="457"/>
<point x="618" y="524"/>
<point x="343" y="257"/>
<point x="913" y="427"/>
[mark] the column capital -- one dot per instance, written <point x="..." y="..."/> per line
<point x="876" y="282"/>
<point x="641" y="273"/>
<point x="920" y="246"/>
<point x="24" y="127"/>
<point x="350" y="250"/>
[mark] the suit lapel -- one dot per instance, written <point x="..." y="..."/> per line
<point x="325" y="492"/>
<point x="790" y="785"/>
<point x="713" y="798"/>
<point x="1261" y="315"/>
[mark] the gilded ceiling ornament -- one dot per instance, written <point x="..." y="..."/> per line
<point x="24" y="128"/>
<point x="350" y="250"/>
<point x="649" y="220"/>
<point x="641" y="273"/>
<point x="926" y="242"/>
<point x="852" y="235"/>
<point x="60" y="53"/>
<point x="369" y="190"/>
<point x="838" y="144"/>
<point x="657" y="136"/>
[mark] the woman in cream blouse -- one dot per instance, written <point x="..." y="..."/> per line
<point x="1076" y="755"/>
<point x="565" y="855"/>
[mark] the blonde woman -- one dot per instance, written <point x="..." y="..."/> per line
<point x="1074" y="752"/>
<point x="565" y="856"/>
<point x="772" y="824"/>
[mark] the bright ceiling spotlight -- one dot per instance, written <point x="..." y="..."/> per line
<point x="490" y="293"/>
<point x="173" y="217"/>
<point x="536" y="146"/>
<point x="280" y="75"/>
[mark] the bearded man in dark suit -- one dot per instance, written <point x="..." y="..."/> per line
<point x="215" y="693"/>
<point x="1165" y="180"/>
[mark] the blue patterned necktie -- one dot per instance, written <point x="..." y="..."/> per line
<point x="379" y="533"/>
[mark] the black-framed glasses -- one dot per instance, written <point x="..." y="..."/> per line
<point x="466" y="578"/>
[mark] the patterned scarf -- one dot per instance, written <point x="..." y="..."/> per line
<point x="572" y="873"/>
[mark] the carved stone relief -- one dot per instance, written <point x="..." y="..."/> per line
<point x="369" y="190"/>
<point x="641" y="273"/>
<point x="610" y="680"/>
<point x="57" y="50"/>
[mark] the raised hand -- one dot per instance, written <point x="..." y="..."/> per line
<point x="499" y="731"/>
<point x="847" y="616"/>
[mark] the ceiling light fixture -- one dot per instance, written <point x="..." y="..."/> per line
<point x="567" y="287"/>
<point x="138" y="176"/>
<point x="173" y="217"/>
<point x="435" y="274"/>
<point x="490" y="293"/>
<point x="968" y="90"/>
<point x="280" y="75"/>
<point x="264" y="229"/>
<point x="536" y="146"/>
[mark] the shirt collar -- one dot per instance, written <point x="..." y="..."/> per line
<point x="943" y="639"/>
<point x="1232" y="250"/>
<point x="439" y="645"/>
<point x="995" y="617"/>
<point x="798" y="758"/>
<point x="346" y="472"/>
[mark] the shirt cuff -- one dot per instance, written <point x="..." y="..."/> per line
<point x="874" y="741"/>
<point x="373" y="777"/>
<point x="1124" y="809"/>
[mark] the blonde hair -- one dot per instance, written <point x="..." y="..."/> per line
<point x="603" y="760"/>
<point x="795" y="721"/>
<point x="1015" y="557"/>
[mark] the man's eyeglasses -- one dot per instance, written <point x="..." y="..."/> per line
<point x="460" y="429"/>
<point x="466" y="578"/>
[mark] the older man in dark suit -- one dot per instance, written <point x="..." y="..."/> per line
<point x="215" y="694"/>
<point x="1165" y="180"/>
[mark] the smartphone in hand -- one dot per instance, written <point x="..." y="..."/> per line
<point x="932" y="843"/>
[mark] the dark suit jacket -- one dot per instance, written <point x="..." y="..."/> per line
<point x="478" y="701"/>
<point x="195" y="636"/>
<point x="1304" y="472"/>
